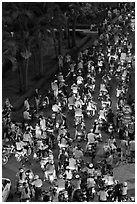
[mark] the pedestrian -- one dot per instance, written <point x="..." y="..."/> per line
<point x="26" y="104"/>
<point x="37" y="99"/>
<point x="25" y="193"/>
<point x="60" y="62"/>
<point x="132" y="150"/>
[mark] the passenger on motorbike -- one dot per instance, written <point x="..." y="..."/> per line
<point x="78" y="115"/>
<point x="112" y="143"/>
<point x="60" y="183"/>
<point x="72" y="163"/>
<point x="56" y="108"/>
<point x="78" y="152"/>
<point x="50" y="172"/>
<point x="92" y="138"/>
<point x="74" y="89"/>
<point x="63" y="142"/>
<point x="68" y="173"/>
<point x="102" y="114"/>
<point x="78" y="102"/>
<point x="71" y="102"/>
<point x="42" y="123"/>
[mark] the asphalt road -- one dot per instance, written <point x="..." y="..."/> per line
<point x="11" y="168"/>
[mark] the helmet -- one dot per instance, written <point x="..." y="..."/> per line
<point x="36" y="177"/>
<point x="60" y="176"/>
<point x="90" y="165"/>
<point x="21" y="170"/>
<point x="77" y="176"/>
<point x="125" y="184"/>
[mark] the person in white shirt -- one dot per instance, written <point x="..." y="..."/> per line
<point x="56" y="108"/>
<point x="71" y="102"/>
<point x="26" y="104"/>
<point x="132" y="150"/>
<point x="27" y="137"/>
<point x="68" y="173"/>
<point x="78" y="102"/>
<point x="103" y="88"/>
<point x="91" y="137"/>
<point x="72" y="163"/>
<point x="42" y="123"/>
<point x="124" y="189"/>
<point x="91" y="181"/>
<point x="60" y="183"/>
<point x="79" y="80"/>
<point x="60" y="62"/>
<point x="37" y="131"/>
<point x="54" y="87"/>
<point x="74" y="89"/>
<point x="26" y="115"/>
<point x="103" y="195"/>
<point x="19" y="145"/>
<point x="102" y="114"/>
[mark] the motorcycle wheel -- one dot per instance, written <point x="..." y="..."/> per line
<point x="4" y="160"/>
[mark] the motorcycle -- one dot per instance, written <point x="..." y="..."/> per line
<point x="23" y="155"/>
<point x="91" y="109"/>
<point x="6" y="153"/>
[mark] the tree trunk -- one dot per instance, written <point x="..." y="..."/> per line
<point x="26" y="64"/>
<point x="54" y="41"/>
<point x="60" y="42"/>
<point x="34" y="63"/>
<point x="41" y="62"/>
<point x="20" y="78"/>
<point x="74" y="32"/>
<point x="68" y="34"/>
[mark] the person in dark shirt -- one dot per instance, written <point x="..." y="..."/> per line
<point x="110" y="117"/>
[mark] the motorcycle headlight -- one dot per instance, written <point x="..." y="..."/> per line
<point x="16" y="155"/>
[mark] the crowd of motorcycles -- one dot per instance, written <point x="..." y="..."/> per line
<point x="111" y="59"/>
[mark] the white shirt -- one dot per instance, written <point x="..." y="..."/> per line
<point x="91" y="137"/>
<point x="19" y="145"/>
<point x="55" y="108"/>
<point x="26" y="115"/>
<point x="90" y="182"/>
<point x="72" y="163"/>
<point x="68" y="174"/>
<point x="42" y="124"/>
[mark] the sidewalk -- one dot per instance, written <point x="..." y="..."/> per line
<point x="10" y="83"/>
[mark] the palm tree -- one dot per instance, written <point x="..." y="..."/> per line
<point x="67" y="27"/>
<point x="56" y="21"/>
<point x="75" y="11"/>
<point x="20" y="17"/>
